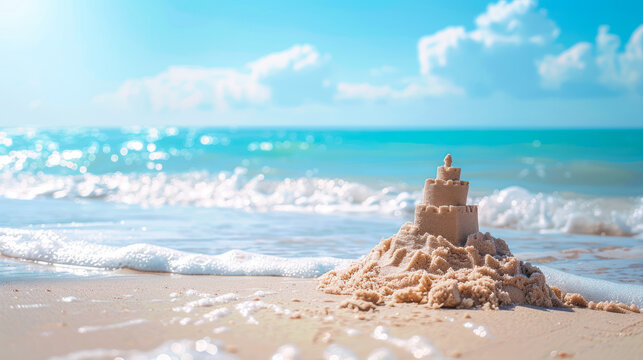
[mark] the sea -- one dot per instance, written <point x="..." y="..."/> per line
<point x="84" y="202"/>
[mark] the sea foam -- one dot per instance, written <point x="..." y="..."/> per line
<point x="517" y="208"/>
<point x="594" y="289"/>
<point x="202" y="349"/>
<point x="512" y="208"/>
<point x="50" y="247"/>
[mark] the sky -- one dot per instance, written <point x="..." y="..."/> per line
<point x="442" y="63"/>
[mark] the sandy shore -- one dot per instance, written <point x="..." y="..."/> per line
<point x="42" y="319"/>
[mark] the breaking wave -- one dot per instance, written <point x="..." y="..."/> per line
<point x="594" y="289"/>
<point x="53" y="248"/>
<point x="513" y="207"/>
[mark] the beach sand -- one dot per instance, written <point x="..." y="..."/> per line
<point x="44" y="318"/>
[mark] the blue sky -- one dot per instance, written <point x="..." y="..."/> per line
<point x="445" y="63"/>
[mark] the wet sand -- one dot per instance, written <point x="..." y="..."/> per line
<point x="45" y="318"/>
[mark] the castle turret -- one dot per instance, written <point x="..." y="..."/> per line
<point x="443" y="210"/>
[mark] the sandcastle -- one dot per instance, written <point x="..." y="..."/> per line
<point x="442" y="260"/>
<point x="443" y="211"/>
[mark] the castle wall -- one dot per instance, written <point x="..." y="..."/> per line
<point x="448" y="173"/>
<point x="454" y="223"/>
<point x="440" y="192"/>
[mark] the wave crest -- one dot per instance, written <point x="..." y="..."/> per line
<point x="517" y="208"/>
<point x="50" y="247"/>
<point x="513" y="207"/>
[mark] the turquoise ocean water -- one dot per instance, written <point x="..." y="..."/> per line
<point x="86" y="201"/>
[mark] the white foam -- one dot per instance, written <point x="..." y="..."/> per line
<point x="517" y="208"/>
<point x="286" y="352"/>
<point x="86" y="329"/>
<point x="338" y="352"/>
<point x="217" y="314"/>
<point x="220" y="329"/>
<point x="416" y="345"/>
<point x="207" y="302"/>
<point x="192" y="292"/>
<point x="381" y="354"/>
<point x="69" y="299"/>
<point x="50" y="247"/>
<point x="225" y="189"/>
<point x="513" y="207"/>
<point x="248" y="308"/>
<point x="28" y="306"/>
<point x="203" y="349"/>
<point x="261" y="293"/>
<point x="594" y="289"/>
<point x="478" y="330"/>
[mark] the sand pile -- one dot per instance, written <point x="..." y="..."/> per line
<point x="442" y="260"/>
<point x="410" y="267"/>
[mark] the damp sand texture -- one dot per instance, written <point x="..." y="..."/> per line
<point x="138" y="313"/>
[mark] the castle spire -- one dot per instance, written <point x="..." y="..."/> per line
<point x="447" y="172"/>
<point x="448" y="160"/>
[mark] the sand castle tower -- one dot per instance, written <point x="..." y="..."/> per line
<point x="444" y="210"/>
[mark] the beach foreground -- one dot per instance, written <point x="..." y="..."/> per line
<point x="252" y="317"/>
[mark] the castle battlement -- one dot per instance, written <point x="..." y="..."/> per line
<point x="446" y="209"/>
<point x="443" y="211"/>
<point x="446" y="182"/>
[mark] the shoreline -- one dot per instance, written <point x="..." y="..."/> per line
<point x="256" y="315"/>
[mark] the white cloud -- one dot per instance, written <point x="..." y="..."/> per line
<point x="432" y="49"/>
<point x="512" y="22"/>
<point x="511" y="49"/>
<point x="296" y="58"/>
<point x="516" y="23"/>
<point x="432" y="52"/>
<point x="504" y="12"/>
<point x="555" y="70"/>
<point x="483" y="60"/>
<point x="503" y="23"/>
<point x="184" y="87"/>
<point x="620" y="69"/>
<point x="599" y="66"/>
